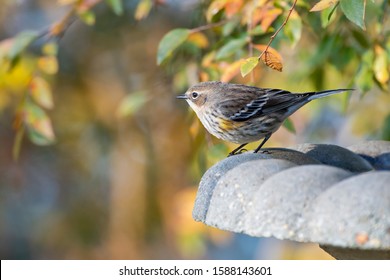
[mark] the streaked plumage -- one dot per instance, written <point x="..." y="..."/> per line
<point x="242" y="114"/>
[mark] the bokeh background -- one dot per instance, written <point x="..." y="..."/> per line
<point x="123" y="187"/>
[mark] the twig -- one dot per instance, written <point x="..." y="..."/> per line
<point x="277" y="31"/>
<point x="58" y="28"/>
<point x="208" y="26"/>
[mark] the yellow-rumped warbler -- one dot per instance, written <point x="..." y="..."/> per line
<point x="242" y="114"/>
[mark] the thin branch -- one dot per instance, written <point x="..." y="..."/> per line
<point x="277" y="31"/>
<point x="58" y="28"/>
<point x="208" y="26"/>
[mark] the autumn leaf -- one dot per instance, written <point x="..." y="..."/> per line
<point x="48" y="64"/>
<point x="214" y="8"/>
<point x="323" y="4"/>
<point x="269" y="16"/>
<point x="270" y="57"/>
<point x="232" y="7"/>
<point x="198" y="39"/>
<point x="381" y="66"/>
<point x="50" y="48"/>
<point x="143" y="9"/>
<point x="232" y="70"/>
<point x="41" y="92"/>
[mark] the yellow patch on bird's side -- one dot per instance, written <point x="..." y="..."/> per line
<point x="228" y="125"/>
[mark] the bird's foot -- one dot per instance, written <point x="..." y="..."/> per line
<point x="233" y="153"/>
<point x="262" y="151"/>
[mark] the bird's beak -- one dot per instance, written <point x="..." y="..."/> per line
<point x="181" y="96"/>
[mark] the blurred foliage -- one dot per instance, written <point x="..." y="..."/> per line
<point x="223" y="48"/>
<point x="112" y="185"/>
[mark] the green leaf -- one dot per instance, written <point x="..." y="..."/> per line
<point x="249" y="65"/>
<point x="171" y="41"/>
<point x="20" y="43"/>
<point x="364" y="79"/>
<point x="230" y="48"/>
<point x="132" y="103"/>
<point x="293" y="28"/>
<point x="289" y="125"/>
<point x="229" y="27"/>
<point x="354" y="10"/>
<point x="327" y="16"/>
<point x="386" y="129"/>
<point x="39" y="128"/>
<point x="258" y="30"/>
<point x="116" y="6"/>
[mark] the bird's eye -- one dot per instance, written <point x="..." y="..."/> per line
<point x="195" y="95"/>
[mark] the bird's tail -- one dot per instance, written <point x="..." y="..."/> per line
<point x="320" y="94"/>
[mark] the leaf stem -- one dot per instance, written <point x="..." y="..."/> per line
<point x="279" y="29"/>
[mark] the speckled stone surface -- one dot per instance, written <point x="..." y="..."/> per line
<point x="211" y="177"/>
<point x="319" y="193"/>
<point x="290" y="191"/>
<point x="234" y="191"/>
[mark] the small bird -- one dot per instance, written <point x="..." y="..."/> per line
<point x="242" y="114"/>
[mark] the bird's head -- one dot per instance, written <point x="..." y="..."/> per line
<point x="199" y="94"/>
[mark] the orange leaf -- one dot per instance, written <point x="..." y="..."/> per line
<point x="323" y="4"/>
<point x="233" y="7"/>
<point x="231" y="71"/>
<point x="48" y="64"/>
<point x="272" y="61"/>
<point x="269" y="16"/>
<point x="271" y="57"/>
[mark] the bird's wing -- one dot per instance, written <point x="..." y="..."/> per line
<point x="264" y="101"/>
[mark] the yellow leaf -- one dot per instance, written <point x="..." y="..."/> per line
<point x="41" y="92"/>
<point x="231" y="71"/>
<point x="198" y="39"/>
<point x="323" y="4"/>
<point x="208" y="59"/>
<point x="381" y="67"/>
<point x="214" y="8"/>
<point x="48" y="64"/>
<point x="50" y="48"/>
<point x="143" y="9"/>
